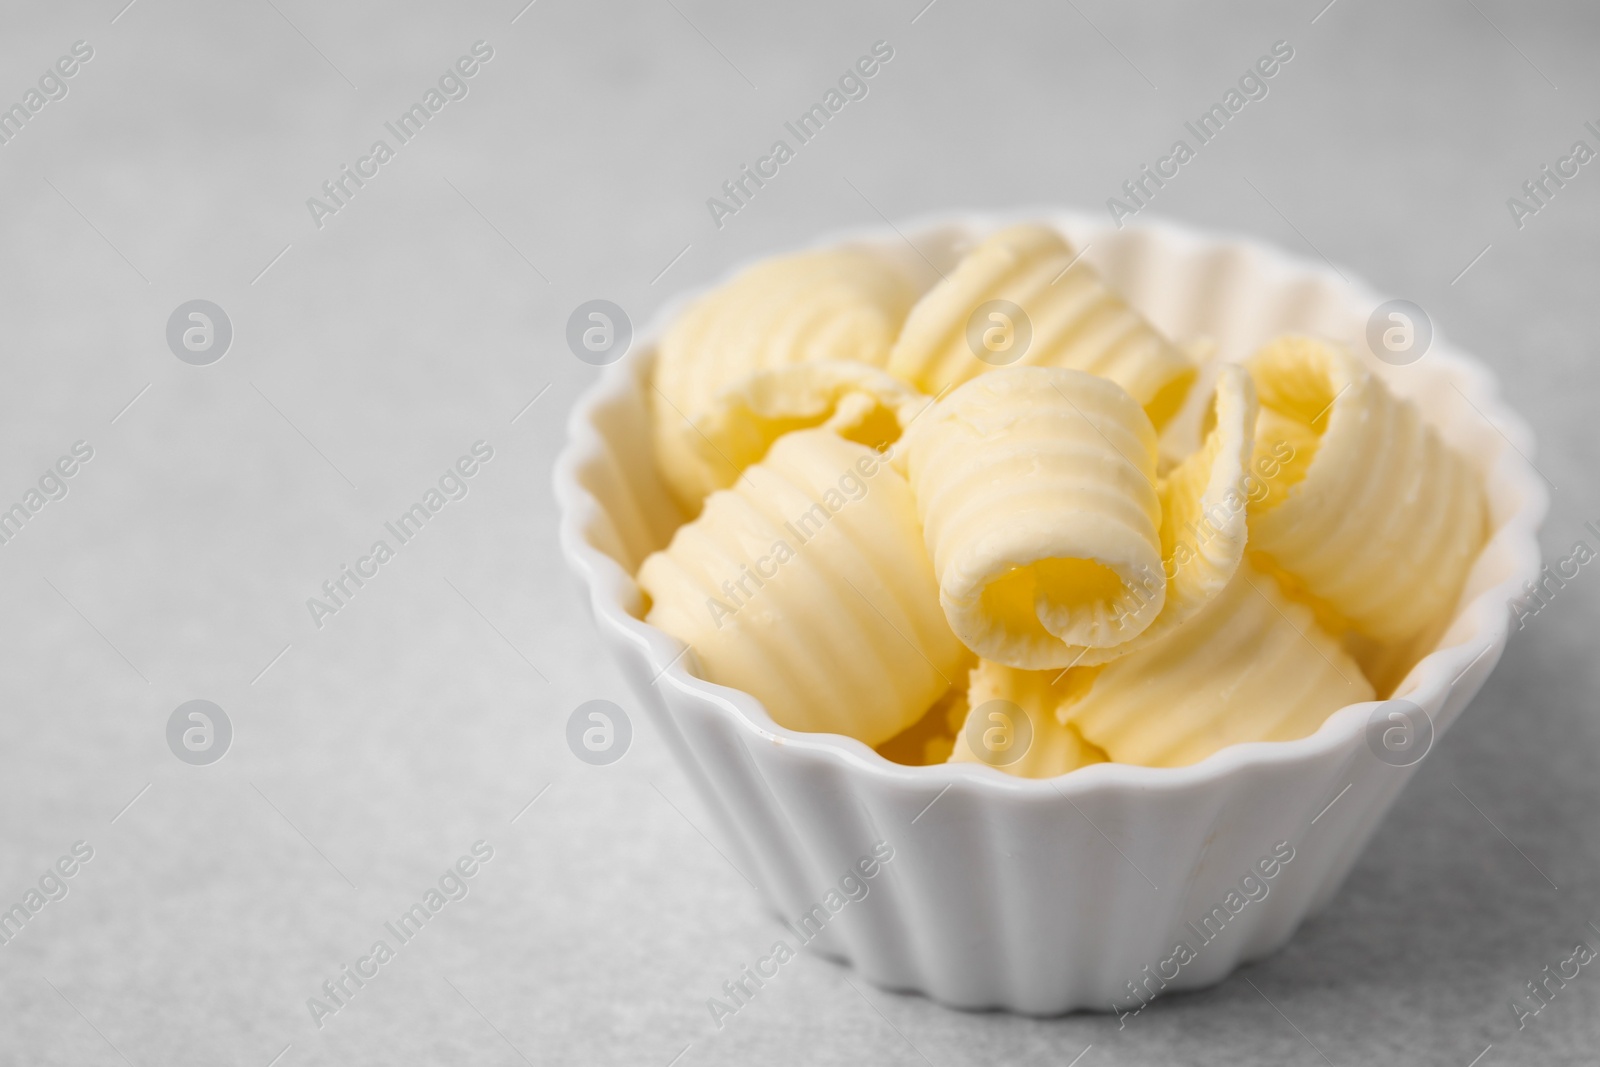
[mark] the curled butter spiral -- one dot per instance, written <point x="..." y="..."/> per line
<point x="1374" y="517"/>
<point x="806" y="584"/>
<point x="1074" y="318"/>
<point x="1036" y="491"/>
<point x="844" y="304"/>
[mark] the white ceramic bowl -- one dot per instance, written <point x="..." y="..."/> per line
<point x="1044" y="896"/>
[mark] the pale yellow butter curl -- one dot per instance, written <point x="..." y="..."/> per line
<point x="1036" y="491"/>
<point x="997" y="697"/>
<point x="1373" y="516"/>
<point x="1204" y="515"/>
<point x="844" y="304"/>
<point x="1252" y="666"/>
<point x="1074" y="318"/>
<point x="808" y="586"/>
<point x="855" y="400"/>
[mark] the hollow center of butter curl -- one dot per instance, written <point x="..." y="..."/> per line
<point x="1074" y="600"/>
<point x="744" y="436"/>
<point x="867" y="422"/>
<point x="1169" y="398"/>
<point x="1281" y="456"/>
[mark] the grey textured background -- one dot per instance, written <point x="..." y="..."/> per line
<point x="423" y="717"/>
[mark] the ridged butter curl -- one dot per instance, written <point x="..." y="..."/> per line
<point x="808" y="586"/>
<point x="842" y="304"/>
<point x="1204" y="514"/>
<point x="1036" y="491"/>
<point x="1075" y="320"/>
<point x="1253" y="666"/>
<point x="855" y="400"/>
<point x="998" y="694"/>
<point x="1380" y="523"/>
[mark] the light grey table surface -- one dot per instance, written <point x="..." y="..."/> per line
<point x="429" y="311"/>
